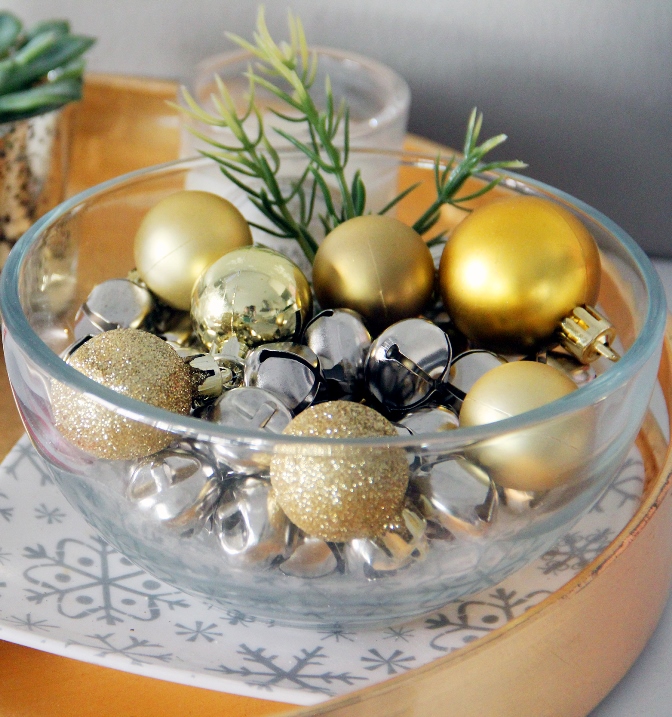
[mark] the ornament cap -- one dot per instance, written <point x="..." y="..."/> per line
<point x="587" y="335"/>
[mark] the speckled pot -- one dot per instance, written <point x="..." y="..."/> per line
<point x="33" y="169"/>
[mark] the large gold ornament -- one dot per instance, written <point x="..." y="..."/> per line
<point x="136" y="364"/>
<point x="377" y="266"/>
<point x="514" y="268"/>
<point x="253" y="294"/>
<point x="531" y="459"/>
<point x="340" y="492"/>
<point x="180" y="237"/>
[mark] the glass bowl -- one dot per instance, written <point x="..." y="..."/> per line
<point x="482" y="531"/>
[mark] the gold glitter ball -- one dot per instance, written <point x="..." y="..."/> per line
<point x="340" y="492"/>
<point x="136" y="364"/>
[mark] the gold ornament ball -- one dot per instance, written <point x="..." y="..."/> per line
<point x="254" y="294"/>
<point x="340" y="492"/>
<point x="377" y="266"/>
<point x="136" y="364"/>
<point x="535" y="458"/>
<point x="514" y="268"/>
<point x="180" y="237"/>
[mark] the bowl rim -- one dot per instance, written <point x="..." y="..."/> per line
<point x="16" y="324"/>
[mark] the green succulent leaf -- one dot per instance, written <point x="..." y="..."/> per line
<point x="10" y="29"/>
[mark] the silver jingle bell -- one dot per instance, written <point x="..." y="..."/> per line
<point x="580" y="373"/>
<point x="341" y="342"/>
<point x="429" y="419"/>
<point x="251" y="528"/>
<point x="209" y="379"/>
<point x="252" y="409"/>
<point x="176" y="486"/>
<point x="448" y="494"/>
<point x="313" y="558"/>
<point x="114" y="304"/>
<point x="290" y="371"/>
<point x="406" y="363"/>
<point x="396" y="548"/>
<point x="465" y="370"/>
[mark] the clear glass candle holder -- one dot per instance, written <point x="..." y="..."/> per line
<point x="89" y="238"/>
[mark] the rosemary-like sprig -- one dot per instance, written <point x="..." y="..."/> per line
<point x="288" y="71"/>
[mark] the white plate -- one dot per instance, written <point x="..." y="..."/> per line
<point x="64" y="590"/>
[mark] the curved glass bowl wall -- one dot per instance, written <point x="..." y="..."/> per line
<point x="89" y="238"/>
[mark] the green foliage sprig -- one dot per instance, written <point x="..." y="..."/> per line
<point x="288" y="71"/>
<point x="40" y="68"/>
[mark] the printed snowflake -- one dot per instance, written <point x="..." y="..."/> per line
<point x="207" y="632"/>
<point x="626" y="487"/>
<point x="94" y="579"/>
<point x="139" y="652"/>
<point x="574" y="551"/>
<point x="394" y="663"/>
<point x="338" y="633"/>
<point x="6" y="512"/>
<point x="270" y="674"/>
<point x="24" y="451"/>
<point x="4" y="556"/>
<point x="398" y="633"/>
<point x="236" y="617"/>
<point x="51" y="516"/>
<point x="29" y="624"/>
<point x="480" y="616"/>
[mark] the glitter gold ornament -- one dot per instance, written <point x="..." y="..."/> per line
<point x="340" y="492"/>
<point x="136" y="364"/>
<point x="531" y="459"/>
<point x="514" y="269"/>
<point x="253" y="294"/>
<point x="377" y="266"/>
<point x="180" y="237"/>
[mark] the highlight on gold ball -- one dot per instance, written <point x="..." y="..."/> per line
<point x="181" y="236"/>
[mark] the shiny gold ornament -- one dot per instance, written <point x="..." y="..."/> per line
<point x="253" y="294"/>
<point x="136" y="364"/>
<point x="377" y="266"/>
<point x="532" y="459"/>
<point x="340" y="492"/>
<point x="180" y="237"/>
<point x="514" y="269"/>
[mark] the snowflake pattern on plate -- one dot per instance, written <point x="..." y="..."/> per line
<point x="67" y="591"/>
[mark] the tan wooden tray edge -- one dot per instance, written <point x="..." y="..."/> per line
<point x="558" y="659"/>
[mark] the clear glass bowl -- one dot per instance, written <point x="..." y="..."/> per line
<point x="89" y="238"/>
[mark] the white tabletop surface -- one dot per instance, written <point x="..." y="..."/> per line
<point x="646" y="690"/>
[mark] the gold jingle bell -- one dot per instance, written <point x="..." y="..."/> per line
<point x="180" y="237"/>
<point x="514" y="269"/>
<point x="530" y="459"/>
<point x="253" y="294"/>
<point x="377" y="266"/>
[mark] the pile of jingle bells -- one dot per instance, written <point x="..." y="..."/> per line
<point x="406" y="343"/>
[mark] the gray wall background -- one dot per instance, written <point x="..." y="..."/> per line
<point x="583" y="88"/>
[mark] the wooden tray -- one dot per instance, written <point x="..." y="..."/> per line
<point x="559" y="658"/>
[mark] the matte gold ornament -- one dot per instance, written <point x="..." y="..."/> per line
<point x="514" y="269"/>
<point x="253" y="294"/>
<point x="181" y="236"/>
<point x="377" y="266"/>
<point x="532" y="459"/>
<point x="340" y="492"/>
<point x="134" y="363"/>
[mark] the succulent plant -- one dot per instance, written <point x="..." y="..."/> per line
<point x="40" y="68"/>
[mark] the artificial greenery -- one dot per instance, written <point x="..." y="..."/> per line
<point x="40" y="68"/>
<point x="288" y="70"/>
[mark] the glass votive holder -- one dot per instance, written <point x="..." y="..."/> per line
<point x="378" y="99"/>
